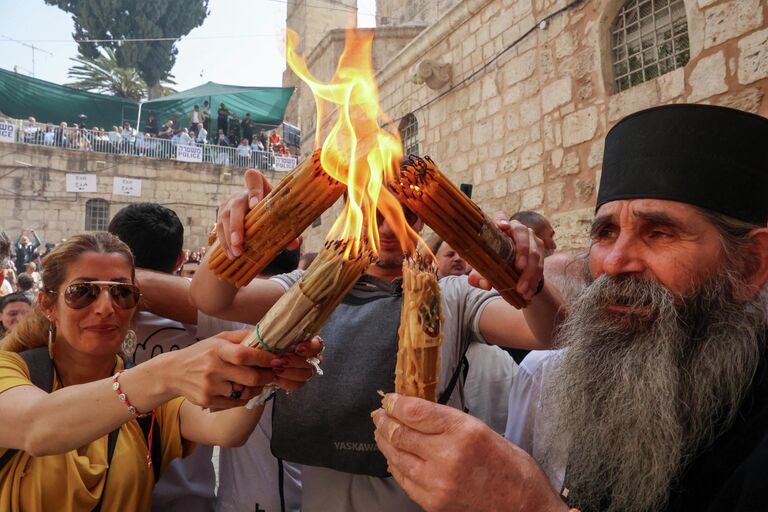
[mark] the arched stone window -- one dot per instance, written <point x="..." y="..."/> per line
<point x="96" y="215"/>
<point x="409" y="133"/>
<point x="648" y="38"/>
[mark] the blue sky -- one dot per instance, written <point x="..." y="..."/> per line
<point x="239" y="43"/>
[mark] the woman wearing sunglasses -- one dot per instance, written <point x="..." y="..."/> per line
<point x="80" y="447"/>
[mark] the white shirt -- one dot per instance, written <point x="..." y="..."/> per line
<point x="5" y="288"/>
<point x="489" y="380"/>
<point x="529" y="424"/>
<point x="202" y="135"/>
<point x="248" y="476"/>
<point x="195" y="116"/>
<point x="128" y="134"/>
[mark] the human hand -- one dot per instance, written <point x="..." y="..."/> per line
<point x="231" y="219"/>
<point x="448" y="461"/>
<point x="529" y="257"/>
<point x="296" y="369"/>
<point x="220" y="373"/>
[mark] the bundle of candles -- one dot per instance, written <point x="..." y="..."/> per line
<point x="299" y="199"/>
<point x="303" y="310"/>
<point x="421" y="334"/>
<point x="461" y="223"/>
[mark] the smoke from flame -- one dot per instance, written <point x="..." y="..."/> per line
<point x="357" y="149"/>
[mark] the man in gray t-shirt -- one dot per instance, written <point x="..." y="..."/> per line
<point x="326" y="426"/>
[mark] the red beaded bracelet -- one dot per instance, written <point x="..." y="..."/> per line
<point x="123" y="398"/>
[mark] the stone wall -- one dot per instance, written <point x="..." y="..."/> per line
<point x="402" y="12"/>
<point x="33" y="191"/>
<point x="322" y="61"/>
<point x="527" y="130"/>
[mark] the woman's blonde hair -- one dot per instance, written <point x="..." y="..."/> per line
<point x="32" y="331"/>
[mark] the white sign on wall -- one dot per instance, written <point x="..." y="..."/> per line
<point x="126" y="187"/>
<point x="284" y="163"/>
<point x="81" y="183"/>
<point x="189" y="153"/>
<point x="7" y="132"/>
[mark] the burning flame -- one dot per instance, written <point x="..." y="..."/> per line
<point x="357" y="150"/>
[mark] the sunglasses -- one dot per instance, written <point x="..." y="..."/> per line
<point x="82" y="295"/>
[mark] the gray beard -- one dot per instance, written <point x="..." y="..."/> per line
<point x="642" y="394"/>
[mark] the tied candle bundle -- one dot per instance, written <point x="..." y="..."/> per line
<point x="299" y="199"/>
<point x="303" y="310"/>
<point x="460" y="222"/>
<point x="421" y="334"/>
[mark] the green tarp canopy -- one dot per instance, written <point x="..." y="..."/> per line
<point x="265" y="104"/>
<point x="22" y="96"/>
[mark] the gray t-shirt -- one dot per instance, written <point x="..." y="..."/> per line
<point x="326" y="489"/>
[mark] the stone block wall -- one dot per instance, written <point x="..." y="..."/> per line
<point x="527" y="130"/>
<point x="33" y="189"/>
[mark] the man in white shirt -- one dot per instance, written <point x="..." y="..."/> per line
<point x="202" y="134"/>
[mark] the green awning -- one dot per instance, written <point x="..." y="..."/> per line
<point x="265" y="104"/>
<point x="22" y="96"/>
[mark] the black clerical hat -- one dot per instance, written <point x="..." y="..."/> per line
<point x="708" y="156"/>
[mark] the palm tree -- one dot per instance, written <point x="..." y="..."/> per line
<point x="104" y="75"/>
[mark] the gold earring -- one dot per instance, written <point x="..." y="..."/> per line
<point x="51" y="337"/>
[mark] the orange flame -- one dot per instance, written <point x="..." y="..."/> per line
<point x="357" y="151"/>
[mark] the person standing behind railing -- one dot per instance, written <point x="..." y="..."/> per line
<point x="222" y="121"/>
<point x="195" y="117"/>
<point x="221" y="153"/>
<point x="49" y="138"/>
<point x="258" y="154"/>
<point x="184" y="137"/>
<point x="128" y="136"/>
<point x="234" y="129"/>
<point x="165" y="137"/>
<point x="32" y="134"/>
<point x="263" y="139"/>
<point x="248" y="127"/>
<point x="60" y="135"/>
<point x="151" y="126"/>
<point x="206" y="116"/>
<point x="202" y="133"/>
<point x="243" y="153"/>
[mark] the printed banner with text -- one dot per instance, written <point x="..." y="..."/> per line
<point x="189" y="153"/>
<point x="7" y="132"/>
<point x="284" y="163"/>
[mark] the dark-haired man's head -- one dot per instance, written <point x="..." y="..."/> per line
<point x="153" y="232"/>
<point x="540" y="226"/>
<point x="25" y="282"/>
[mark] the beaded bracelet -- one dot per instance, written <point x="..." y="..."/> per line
<point x="123" y="398"/>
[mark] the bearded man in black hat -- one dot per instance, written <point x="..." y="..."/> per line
<point x="659" y="394"/>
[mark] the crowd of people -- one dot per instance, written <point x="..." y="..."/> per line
<point x="634" y="380"/>
<point x="235" y="142"/>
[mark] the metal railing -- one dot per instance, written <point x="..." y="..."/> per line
<point x="180" y="147"/>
